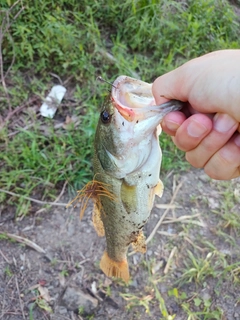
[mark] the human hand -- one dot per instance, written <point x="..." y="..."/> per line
<point x="206" y="129"/>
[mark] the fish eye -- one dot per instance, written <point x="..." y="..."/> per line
<point x="105" y="117"/>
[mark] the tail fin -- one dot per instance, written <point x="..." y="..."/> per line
<point x="113" y="268"/>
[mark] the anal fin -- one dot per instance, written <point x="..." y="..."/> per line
<point x="139" y="245"/>
<point x="97" y="221"/>
<point x="113" y="268"/>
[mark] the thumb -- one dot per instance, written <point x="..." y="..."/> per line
<point x="171" y="85"/>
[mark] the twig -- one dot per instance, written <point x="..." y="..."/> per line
<point x="164" y="214"/>
<point x="25" y="241"/>
<point x="166" y="206"/>
<point x="184" y="217"/>
<point x="198" y="223"/>
<point x="19" y="297"/>
<point x="170" y="260"/>
<point x="61" y="193"/>
<point x="34" y="200"/>
<point x="57" y="199"/>
<point x="21" y="129"/>
<point x="167" y="234"/>
<point x="195" y="246"/>
<point x="20" y="108"/>
<point x="4" y="257"/>
<point x="56" y="76"/>
<point x="189" y="300"/>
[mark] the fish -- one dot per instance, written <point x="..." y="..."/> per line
<point x="126" y="162"/>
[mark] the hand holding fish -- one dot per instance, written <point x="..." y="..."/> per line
<point x="207" y="129"/>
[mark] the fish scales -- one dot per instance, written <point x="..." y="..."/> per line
<point x="127" y="159"/>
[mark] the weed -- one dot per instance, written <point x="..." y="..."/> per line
<point x="81" y="310"/>
<point x="162" y="305"/>
<point x="205" y="314"/>
<point x="77" y="41"/>
<point x="197" y="269"/>
<point x="80" y="40"/>
<point x="133" y="301"/>
<point x="54" y="262"/>
<point x="8" y="272"/>
<point x="64" y="273"/>
<point x="108" y="291"/>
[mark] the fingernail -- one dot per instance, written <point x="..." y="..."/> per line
<point x="237" y="140"/>
<point x="171" y="125"/>
<point x="223" y="122"/>
<point x="196" y="129"/>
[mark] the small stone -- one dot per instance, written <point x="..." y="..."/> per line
<point x="62" y="310"/>
<point x="48" y="257"/>
<point x="74" y="298"/>
<point x="134" y="284"/>
<point x="77" y="279"/>
<point x="163" y="288"/>
<point x="206" y="296"/>
<point x="213" y="204"/>
<point x="55" y="283"/>
<point x="149" y="252"/>
<point x="204" y="178"/>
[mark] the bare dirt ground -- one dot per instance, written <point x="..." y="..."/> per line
<point x="66" y="280"/>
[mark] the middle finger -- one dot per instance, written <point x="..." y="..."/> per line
<point x="224" y="127"/>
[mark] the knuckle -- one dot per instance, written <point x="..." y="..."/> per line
<point x="219" y="168"/>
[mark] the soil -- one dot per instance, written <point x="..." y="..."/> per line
<point x="33" y="284"/>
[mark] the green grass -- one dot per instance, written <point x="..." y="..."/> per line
<point x="79" y="40"/>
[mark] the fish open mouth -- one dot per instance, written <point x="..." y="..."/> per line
<point x="133" y="99"/>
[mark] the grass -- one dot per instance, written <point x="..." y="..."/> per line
<point x="78" y="41"/>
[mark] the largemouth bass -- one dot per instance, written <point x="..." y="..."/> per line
<point x="127" y="159"/>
